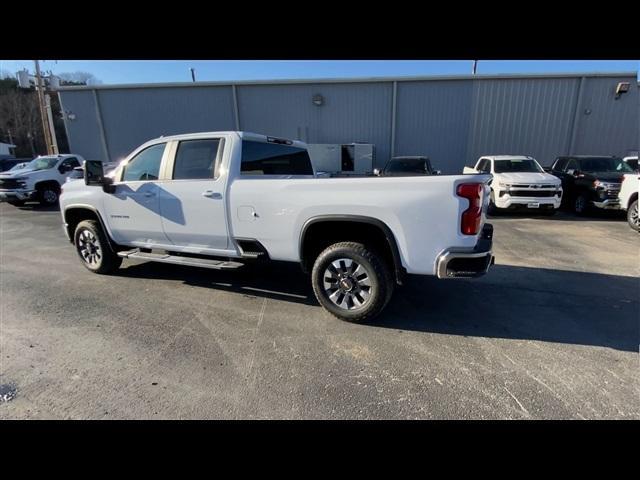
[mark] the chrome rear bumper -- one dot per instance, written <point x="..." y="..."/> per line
<point x="457" y="263"/>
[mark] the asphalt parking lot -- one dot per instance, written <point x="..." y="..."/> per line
<point x="551" y="332"/>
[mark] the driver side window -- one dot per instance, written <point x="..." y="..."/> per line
<point x="71" y="163"/>
<point x="145" y="165"/>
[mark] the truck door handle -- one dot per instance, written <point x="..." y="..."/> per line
<point x="149" y="194"/>
<point x="211" y="194"/>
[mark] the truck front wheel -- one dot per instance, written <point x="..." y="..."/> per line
<point x="632" y="216"/>
<point x="48" y="194"/>
<point x="93" y="248"/>
<point x="352" y="281"/>
<point x="492" y="210"/>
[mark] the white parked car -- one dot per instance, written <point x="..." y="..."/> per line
<point x="519" y="182"/>
<point x="221" y="199"/>
<point x="629" y="198"/>
<point x="40" y="179"/>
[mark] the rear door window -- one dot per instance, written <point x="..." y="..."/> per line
<point x="196" y="159"/>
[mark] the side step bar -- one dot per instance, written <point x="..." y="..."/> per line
<point x="178" y="260"/>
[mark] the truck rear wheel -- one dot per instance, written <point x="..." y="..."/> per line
<point x="352" y="281"/>
<point x="93" y="248"/>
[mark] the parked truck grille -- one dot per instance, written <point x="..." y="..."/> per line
<point x="532" y="193"/>
<point x="8" y="183"/>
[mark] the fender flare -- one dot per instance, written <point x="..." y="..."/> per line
<point x="81" y="206"/>
<point x="399" y="271"/>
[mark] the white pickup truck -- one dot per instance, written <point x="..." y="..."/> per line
<point x="222" y="199"/>
<point x="519" y="182"/>
<point x="628" y="197"/>
<point x="40" y="179"/>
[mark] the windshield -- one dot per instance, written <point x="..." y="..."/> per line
<point x="517" y="165"/>
<point x="19" y="166"/>
<point x="407" y="166"/>
<point x="42" y="163"/>
<point x="605" y="164"/>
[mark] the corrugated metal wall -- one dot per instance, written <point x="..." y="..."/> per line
<point x="453" y="121"/>
<point x="605" y="124"/>
<point x="351" y="112"/>
<point x="522" y="116"/>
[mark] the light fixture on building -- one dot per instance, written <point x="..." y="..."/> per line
<point x="70" y="115"/>
<point x="622" y="87"/>
<point x="318" y="100"/>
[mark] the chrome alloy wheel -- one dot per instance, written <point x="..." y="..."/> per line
<point x="635" y="219"/>
<point x="347" y="284"/>
<point x="89" y="247"/>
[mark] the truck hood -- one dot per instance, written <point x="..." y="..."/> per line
<point x="526" y="177"/>
<point x="18" y="173"/>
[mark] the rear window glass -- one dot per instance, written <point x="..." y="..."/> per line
<point x="259" y="158"/>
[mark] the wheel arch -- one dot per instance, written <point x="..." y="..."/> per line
<point x="74" y="214"/>
<point x="51" y="182"/>
<point x="308" y="245"/>
<point x="632" y="198"/>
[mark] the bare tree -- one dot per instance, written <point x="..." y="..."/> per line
<point x="4" y="73"/>
<point x="78" y="78"/>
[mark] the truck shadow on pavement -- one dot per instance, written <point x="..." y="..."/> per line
<point x="511" y="302"/>
<point x="36" y="207"/>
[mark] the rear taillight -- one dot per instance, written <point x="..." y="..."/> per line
<point x="472" y="216"/>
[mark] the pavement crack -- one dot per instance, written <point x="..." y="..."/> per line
<point x="517" y="401"/>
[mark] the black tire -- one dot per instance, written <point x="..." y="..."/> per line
<point x="377" y="275"/>
<point x="581" y="204"/>
<point x="87" y="237"/>
<point x="48" y="194"/>
<point x="16" y="203"/>
<point x="493" y="210"/>
<point x="632" y="216"/>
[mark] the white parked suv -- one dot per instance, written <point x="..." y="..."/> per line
<point x="519" y="182"/>
<point x="221" y="199"/>
<point x="40" y="179"/>
<point x="629" y="198"/>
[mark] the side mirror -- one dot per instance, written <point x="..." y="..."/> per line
<point x="93" y="173"/>
<point x="437" y="172"/>
<point x="64" y="168"/>
<point x="376" y="172"/>
<point x="547" y="169"/>
<point x="94" y="176"/>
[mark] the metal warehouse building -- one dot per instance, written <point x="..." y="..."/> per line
<point x="453" y="120"/>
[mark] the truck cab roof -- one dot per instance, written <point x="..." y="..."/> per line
<point x="507" y="157"/>
<point x="256" y="137"/>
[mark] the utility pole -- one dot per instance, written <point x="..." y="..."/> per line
<point x="475" y="66"/>
<point x="43" y="115"/>
<point x="52" y="130"/>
